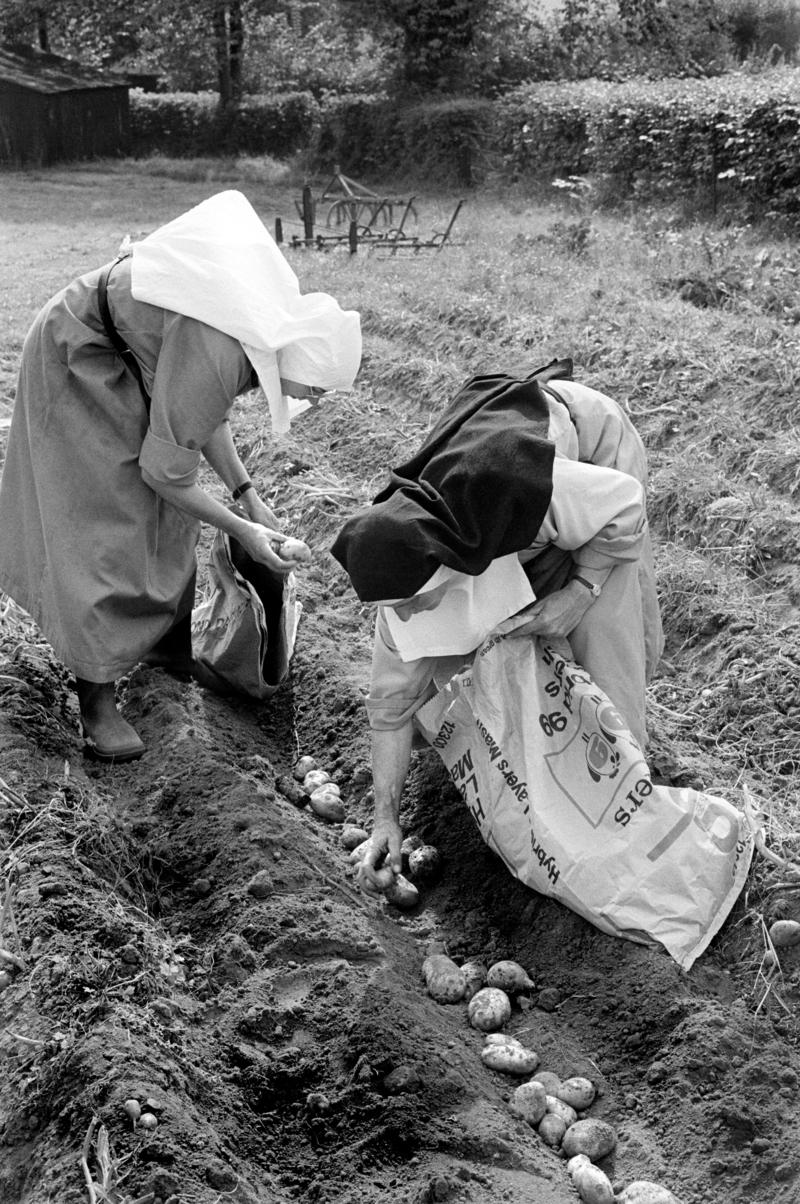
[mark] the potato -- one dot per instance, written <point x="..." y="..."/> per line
<point x="552" y="1129"/>
<point x="303" y="766"/>
<point x="567" y="1114"/>
<point x="592" y="1137"/>
<point x="551" y="1082"/>
<point x="489" y="1009"/>
<point x="358" y="854"/>
<point x="327" y="805"/>
<point x="424" y="864"/>
<point x="410" y="843"/>
<point x="509" y="977"/>
<point x="315" y="778"/>
<point x="475" y="977"/>
<point x="148" y="1121"/>
<point x="784" y="933"/>
<point x="592" y="1185"/>
<point x="292" y="790"/>
<point x="352" y="837"/>
<point x="293" y="549"/>
<point x="642" y="1191"/>
<point x="401" y="893"/>
<point x="528" y="1102"/>
<point x="510" y="1056"/>
<point x="578" y="1092"/>
<point x="443" y="978"/>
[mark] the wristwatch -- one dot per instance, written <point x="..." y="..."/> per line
<point x="594" y="589"/>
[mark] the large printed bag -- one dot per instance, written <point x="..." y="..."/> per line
<point x="560" y="790"/>
<point x="243" y="635"/>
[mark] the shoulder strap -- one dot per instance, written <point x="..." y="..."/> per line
<point x="120" y="346"/>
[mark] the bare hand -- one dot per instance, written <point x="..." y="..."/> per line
<point x="555" y="616"/>
<point x="270" y="547"/>
<point x="382" y="860"/>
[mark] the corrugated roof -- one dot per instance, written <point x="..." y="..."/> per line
<point x="42" y="72"/>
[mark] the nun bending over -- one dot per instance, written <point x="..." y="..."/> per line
<point x="527" y="496"/>
<point x="127" y="379"/>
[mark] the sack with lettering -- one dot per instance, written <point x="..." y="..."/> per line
<point x="561" y="792"/>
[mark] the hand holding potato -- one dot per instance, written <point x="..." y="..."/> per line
<point x="267" y="546"/>
<point x="381" y="862"/>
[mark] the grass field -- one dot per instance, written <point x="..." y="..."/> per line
<point x="694" y="330"/>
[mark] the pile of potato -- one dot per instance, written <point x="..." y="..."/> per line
<point x="312" y="785"/>
<point x="555" y="1108"/>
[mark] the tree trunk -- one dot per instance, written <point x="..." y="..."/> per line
<point x="41" y="29"/>
<point x="219" y="18"/>
<point x="235" y="48"/>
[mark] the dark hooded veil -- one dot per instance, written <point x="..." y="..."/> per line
<point x="478" y="488"/>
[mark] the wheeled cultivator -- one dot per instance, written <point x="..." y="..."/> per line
<point x="358" y="217"/>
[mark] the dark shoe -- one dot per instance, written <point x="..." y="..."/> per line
<point x="93" y="751"/>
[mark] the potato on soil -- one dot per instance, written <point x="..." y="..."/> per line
<point x="552" y="1129"/>
<point x="551" y="1082"/>
<point x="315" y="778"/>
<point x="567" y="1114"/>
<point x="784" y="933"/>
<point x="528" y="1102"/>
<point x="592" y="1137"/>
<point x="303" y="766"/>
<point x="132" y="1108"/>
<point x="474" y="976"/>
<point x="509" y="1056"/>
<point x="148" y="1121"/>
<point x="359" y="852"/>
<point x="578" y="1092"/>
<point x="592" y="1185"/>
<point x="443" y="979"/>
<point x="489" y="1009"/>
<point x="509" y="977"/>
<point x="642" y="1191"/>
<point x="352" y="837"/>
<point x="424" y="864"/>
<point x="410" y="843"/>
<point x="401" y="893"/>
<point x="327" y="805"/>
<point x="291" y="790"/>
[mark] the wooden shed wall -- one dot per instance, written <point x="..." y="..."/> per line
<point x="47" y="127"/>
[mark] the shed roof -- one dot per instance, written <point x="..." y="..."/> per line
<point x="40" y="72"/>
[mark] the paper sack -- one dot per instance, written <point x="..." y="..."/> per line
<point x="561" y="792"/>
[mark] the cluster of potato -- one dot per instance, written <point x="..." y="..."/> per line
<point x="421" y="862"/>
<point x="555" y="1108"/>
<point x="313" y="785"/>
<point x="141" y="1117"/>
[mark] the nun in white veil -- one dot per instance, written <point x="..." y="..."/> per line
<point x="100" y="509"/>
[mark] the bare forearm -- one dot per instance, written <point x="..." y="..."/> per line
<point x="194" y="501"/>
<point x="391" y="753"/>
<point x="220" y="452"/>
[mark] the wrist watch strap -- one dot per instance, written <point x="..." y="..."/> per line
<point x="594" y="589"/>
<point x="240" y="489"/>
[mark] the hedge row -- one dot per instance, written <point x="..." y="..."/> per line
<point x="189" y="124"/>
<point x="737" y="134"/>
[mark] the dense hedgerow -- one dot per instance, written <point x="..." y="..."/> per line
<point x="739" y="133"/>
<point x="189" y="123"/>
